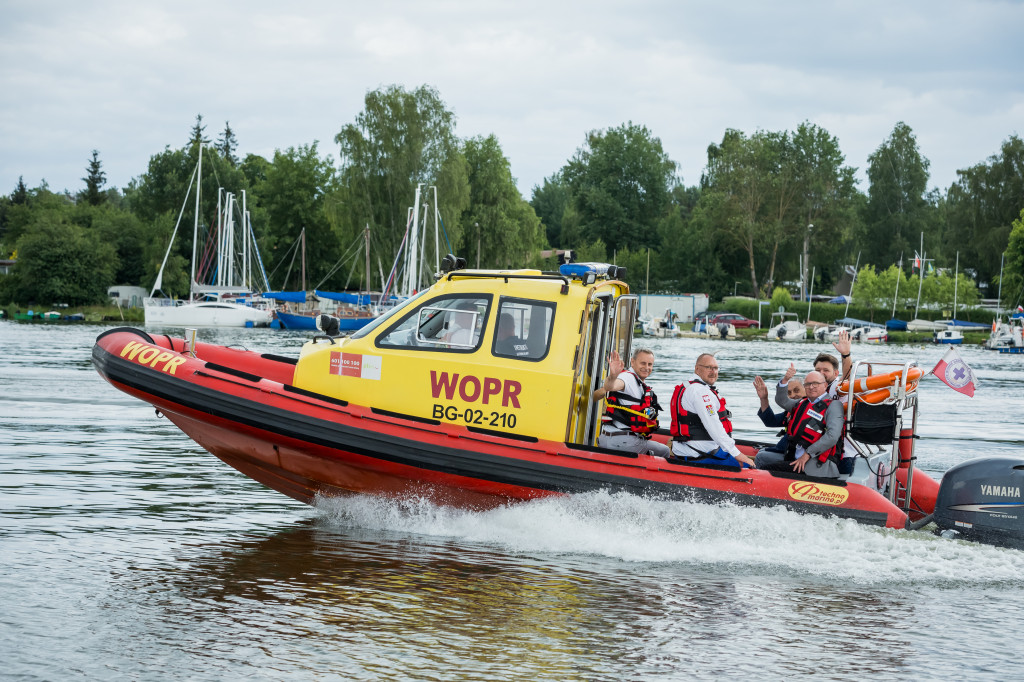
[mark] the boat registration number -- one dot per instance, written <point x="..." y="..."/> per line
<point x="474" y="417"/>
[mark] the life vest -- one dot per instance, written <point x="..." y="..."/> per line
<point x="687" y="425"/>
<point x="625" y="412"/>
<point x="807" y="426"/>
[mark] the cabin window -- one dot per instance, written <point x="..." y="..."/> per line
<point x="454" y="323"/>
<point x="523" y="330"/>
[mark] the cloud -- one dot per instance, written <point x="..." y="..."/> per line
<point x="128" y="79"/>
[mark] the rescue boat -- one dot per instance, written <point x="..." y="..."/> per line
<point x="477" y="392"/>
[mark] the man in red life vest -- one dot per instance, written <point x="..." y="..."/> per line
<point x="632" y="408"/>
<point x="815" y="429"/>
<point x="701" y="426"/>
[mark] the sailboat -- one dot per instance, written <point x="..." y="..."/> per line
<point x="227" y="300"/>
<point x="355" y="311"/>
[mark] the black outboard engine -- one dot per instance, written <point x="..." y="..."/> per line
<point x="982" y="500"/>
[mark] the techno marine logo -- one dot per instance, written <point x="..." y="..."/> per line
<point x="958" y="374"/>
<point x="818" y="493"/>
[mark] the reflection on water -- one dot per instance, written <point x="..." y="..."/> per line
<point x="130" y="553"/>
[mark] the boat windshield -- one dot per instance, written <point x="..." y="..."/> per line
<point x="400" y="306"/>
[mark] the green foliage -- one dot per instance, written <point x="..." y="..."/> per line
<point x="897" y="212"/>
<point x="126" y="234"/>
<point x="781" y="297"/>
<point x="227" y="143"/>
<point x="592" y="252"/>
<point x="59" y="263"/>
<point x="1013" y="273"/>
<point x="399" y="140"/>
<point x="165" y="193"/>
<point x="295" y="193"/>
<point x="621" y="183"/>
<point x="982" y="206"/>
<point x="550" y="203"/>
<point x="502" y="229"/>
<point x="94" y="181"/>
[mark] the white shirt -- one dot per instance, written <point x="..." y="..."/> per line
<point x="699" y="399"/>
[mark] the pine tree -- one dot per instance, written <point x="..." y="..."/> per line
<point x="197" y="133"/>
<point x="20" y="193"/>
<point x="95" y="179"/>
<point x="227" y="143"/>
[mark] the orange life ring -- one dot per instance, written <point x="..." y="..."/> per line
<point x="877" y="381"/>
<point x="881" y="395"/>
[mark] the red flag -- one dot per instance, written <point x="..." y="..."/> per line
<point x="955" y="373"/>
<point x="917" y="261"/>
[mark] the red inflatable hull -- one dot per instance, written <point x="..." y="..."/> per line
<point x="240" y="406"/>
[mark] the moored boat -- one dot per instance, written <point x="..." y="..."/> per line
<point x="949" y="336"/>
<point x="1007" y="336"/>
<point x="786" y="327"/>
<point x="476" y="392"/>
<point x="220" y="294"/>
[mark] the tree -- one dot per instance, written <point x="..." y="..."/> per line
<point x="1013" y="274"/>
<point x="165" y="194"/>
<point x="198" y="134"/>
<point x="400" y="140"/>
<point x="621" y="182"/>
<point x="826" y="192"/>
<point x="896" y="212"/>
<point x="738" y="171"/>
<point x="20" y="193"/>
<point x="550" y="202"/>
<point x="122" y="230"/>
<point x="298" y="185"/>
<point x="502" y="229"/>
<point x="227" y="143"/>
<point x="872" y="291"/>
<point x="58" y="263"/>
<point x="982" y="206"/>
<point x="94" y="181"/>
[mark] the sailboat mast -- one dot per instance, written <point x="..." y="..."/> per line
<point x="856" y="269"/>
<point x="437" y="237"/>
<point x="412" y="271"/>
<point x="920" y="279"/>
<point x="366" y="247"/>
<point x="956" y="281"/>
<point x="303" y="236"/>
<point x="195" y="227"/>
<point x="899" y="272"/>
<point x="810" y="294"/>
<point x="999" y="300"/>
<point x="221" y="229"/>
<point x="246" y="273"/>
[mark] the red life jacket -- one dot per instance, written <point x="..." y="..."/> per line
<point x="624" y="412"/>
<point x="807" y="425"/>
<point x="687" y="425"/>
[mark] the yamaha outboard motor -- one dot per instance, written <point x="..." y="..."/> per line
<point x="981" y="500"/>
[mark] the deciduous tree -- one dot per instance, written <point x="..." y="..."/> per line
<point x="621" y="182"/>
<point x="399" y="140"/>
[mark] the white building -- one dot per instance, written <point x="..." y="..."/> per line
<point x="127" y="296"/>
<point x="685" y="306"/>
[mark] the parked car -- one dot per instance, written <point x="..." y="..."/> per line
<point x="700" y="319"/>
<point x="735" y="320"/>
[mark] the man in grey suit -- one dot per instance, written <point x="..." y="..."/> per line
<point x="815" y="429"/>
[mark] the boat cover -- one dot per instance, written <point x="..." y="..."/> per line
<point x="288" y="296"/>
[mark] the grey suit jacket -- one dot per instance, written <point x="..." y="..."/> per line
<point x="833" y="421"/>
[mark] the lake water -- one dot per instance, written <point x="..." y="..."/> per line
<point x="130" y="553"/>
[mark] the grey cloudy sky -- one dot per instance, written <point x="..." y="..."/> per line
<point x="128" y="78"/>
